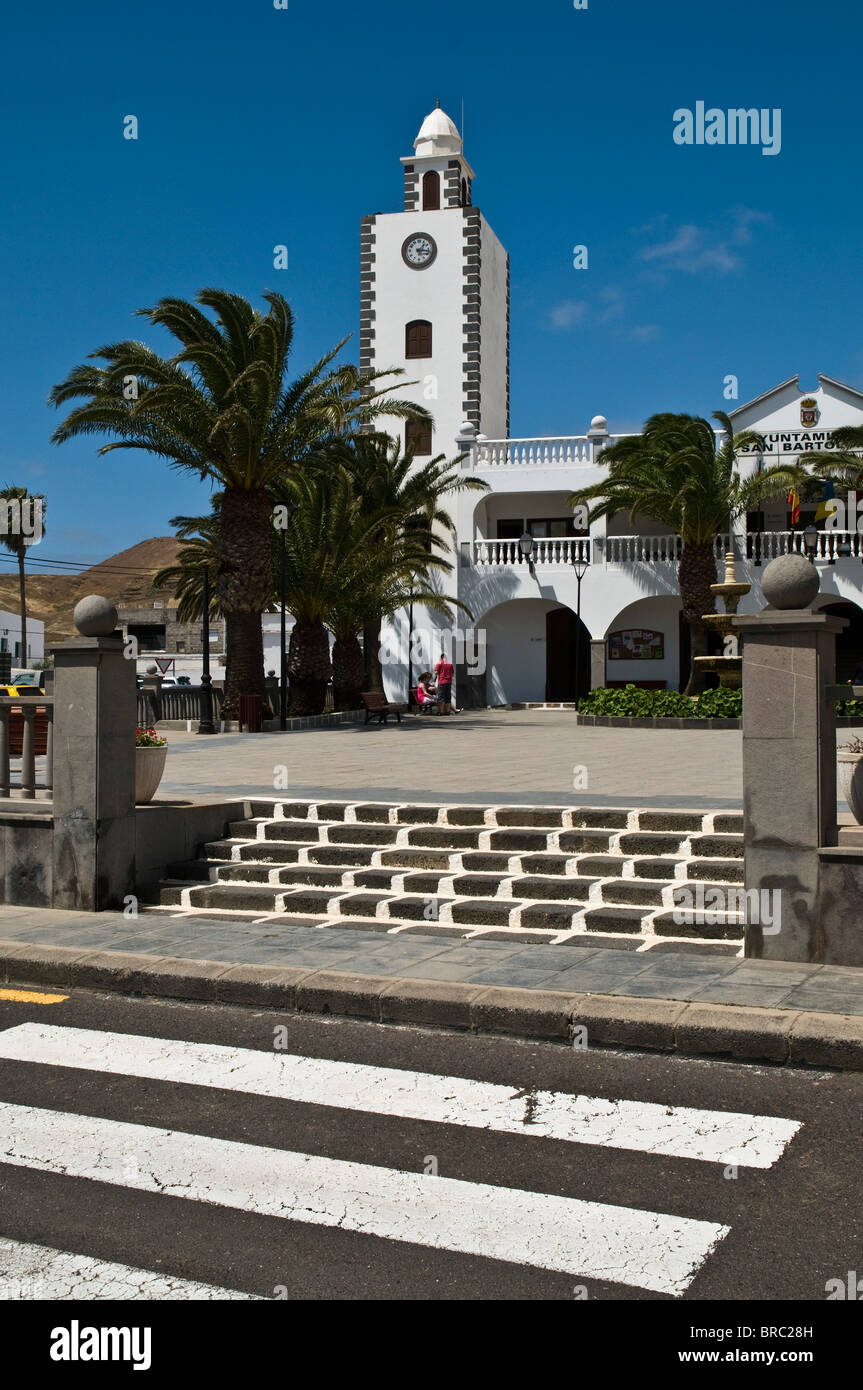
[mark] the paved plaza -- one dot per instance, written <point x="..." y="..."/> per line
<point x="492" y="756"/>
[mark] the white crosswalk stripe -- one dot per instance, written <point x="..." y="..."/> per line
<point x="29" y="1272"/>
<point x="717" y="1136"/>
<point x="584" y="1239"/>
<point x="644" y="1249"/>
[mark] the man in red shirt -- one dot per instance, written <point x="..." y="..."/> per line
<point x="444" y="673"/>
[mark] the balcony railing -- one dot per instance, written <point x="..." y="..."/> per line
<point x="651" y="550"/>
<point x="552" y="451"/>
<point x="566" y="452"/>
<point x="625" y="550"/>
<point x="558" y="550"/>
<point x="764" y="546"/>
<point x="760" y="547"/>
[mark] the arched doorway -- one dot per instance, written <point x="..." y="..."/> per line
<point x="647" y="645"/>
<point x="567" y="656"/>
<point x="531" y="653"/>
<point x="849" y="642"/>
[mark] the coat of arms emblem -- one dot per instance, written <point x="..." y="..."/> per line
<point x="809" y="411"/>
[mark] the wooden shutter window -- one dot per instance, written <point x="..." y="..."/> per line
<point x="418" y="435"/>
<point x="431" y="191"/>
<point x="418" y="338"/>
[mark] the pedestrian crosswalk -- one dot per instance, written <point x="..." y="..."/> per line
<point x="652" y="1250"/>
<point x="29" y="1272"/>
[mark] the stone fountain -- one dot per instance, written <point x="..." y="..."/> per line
<point x="728" y="668"/>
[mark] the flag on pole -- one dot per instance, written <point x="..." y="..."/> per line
<point x="794" y="504"/>
<point x="823" y="511"/>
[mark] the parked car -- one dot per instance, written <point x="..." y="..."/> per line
<point x="21" y="689"/>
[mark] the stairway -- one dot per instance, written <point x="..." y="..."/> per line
<point x="542" y="873"/>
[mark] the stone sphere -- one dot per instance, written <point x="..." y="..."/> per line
<point x="790" y="581"/>
<point x="95" y="616"/>
<point x="599" y="422"/>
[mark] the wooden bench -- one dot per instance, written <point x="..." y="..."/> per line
<point x="378" y="706"/>
<point x="426" y="707"/>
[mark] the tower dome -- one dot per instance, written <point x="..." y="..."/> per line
<point x="438" y="135"/>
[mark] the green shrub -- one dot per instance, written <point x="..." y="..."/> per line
<point x="720" y="704"/>
<point x="634" y="703"/>
<point x="850" y="707"/>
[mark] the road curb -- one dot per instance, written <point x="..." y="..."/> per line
<point x="742" y="1032"/>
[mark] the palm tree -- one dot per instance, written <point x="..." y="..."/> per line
<point x="343" y="564"/>
<point x="842" y="464"/>
<point x="222" y="407"/>
<point x="675" y="473"/>
<point x="200" y="551"/>
<point x="17" y="540"/>
<point x="387" y="479"/>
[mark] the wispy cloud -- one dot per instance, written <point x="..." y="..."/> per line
<point x="692" y="248"/>
<point x="568" y="314"/>
<point x="609" y="312"/>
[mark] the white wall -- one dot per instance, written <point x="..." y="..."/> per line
<point x="10" y="637"/>
<point x="516" y="651"/>
<point x="493" y="339"/>
<point x="436" y="294"/>
<point x="658" y="615"/>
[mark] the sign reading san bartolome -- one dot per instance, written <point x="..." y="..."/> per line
<point x="792" y="441"/>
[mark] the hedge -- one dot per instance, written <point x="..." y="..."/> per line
<point x="632" y="702"/>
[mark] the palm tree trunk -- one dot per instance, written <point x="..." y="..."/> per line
<point x="22" y="590"/>
<point x="696" y="574"/>
<point x="373" y="675"/>
<point x="347" y="673"/>
<point x="698" y="636"/>
<point x="309" y="667"/>
<point x="245" y="587"/>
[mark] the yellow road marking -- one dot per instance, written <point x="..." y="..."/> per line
<point x="26" y="996"/>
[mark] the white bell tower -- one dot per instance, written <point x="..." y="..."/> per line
<point x="434" y="297"/>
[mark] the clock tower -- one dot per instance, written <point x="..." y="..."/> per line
<point x="434" y="298"/>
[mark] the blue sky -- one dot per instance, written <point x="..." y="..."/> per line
<point x="260" y="126"/>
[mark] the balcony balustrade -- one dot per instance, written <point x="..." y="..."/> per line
<point x="557" y="550"/>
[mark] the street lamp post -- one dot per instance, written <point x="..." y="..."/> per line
<point x="579" y="564"/>
<point x="525" y="545"/>
<point x="283" y="669"/>
<point x="205" y="723"/>
<point x="810" y="541"/>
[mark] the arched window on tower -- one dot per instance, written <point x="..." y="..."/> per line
<point x="418" y="338"/>
<point x="431" y="191"/>
<point x="464" y="193"/>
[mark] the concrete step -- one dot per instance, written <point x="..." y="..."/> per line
<point x="610" y="873"/>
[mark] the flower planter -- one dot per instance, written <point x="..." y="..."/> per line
<point x="850" y="777"/>
<point x="149" y="766"/>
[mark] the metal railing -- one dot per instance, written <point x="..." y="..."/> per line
<point x="19" y="724"/>
<point x="175" y="702"/>
<point x="555" y="550"/>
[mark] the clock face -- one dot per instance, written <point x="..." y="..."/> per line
<point x="419" y="251"/>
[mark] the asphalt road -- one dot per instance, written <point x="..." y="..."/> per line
<point x="94" y="1176"/>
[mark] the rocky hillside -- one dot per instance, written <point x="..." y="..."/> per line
<point x="126" y="578"/>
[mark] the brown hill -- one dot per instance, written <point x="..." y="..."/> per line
<point x="125" y="578"/>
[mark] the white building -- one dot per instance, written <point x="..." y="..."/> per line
<point x="10" y="639"/>
<point x="435" y="301"/>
